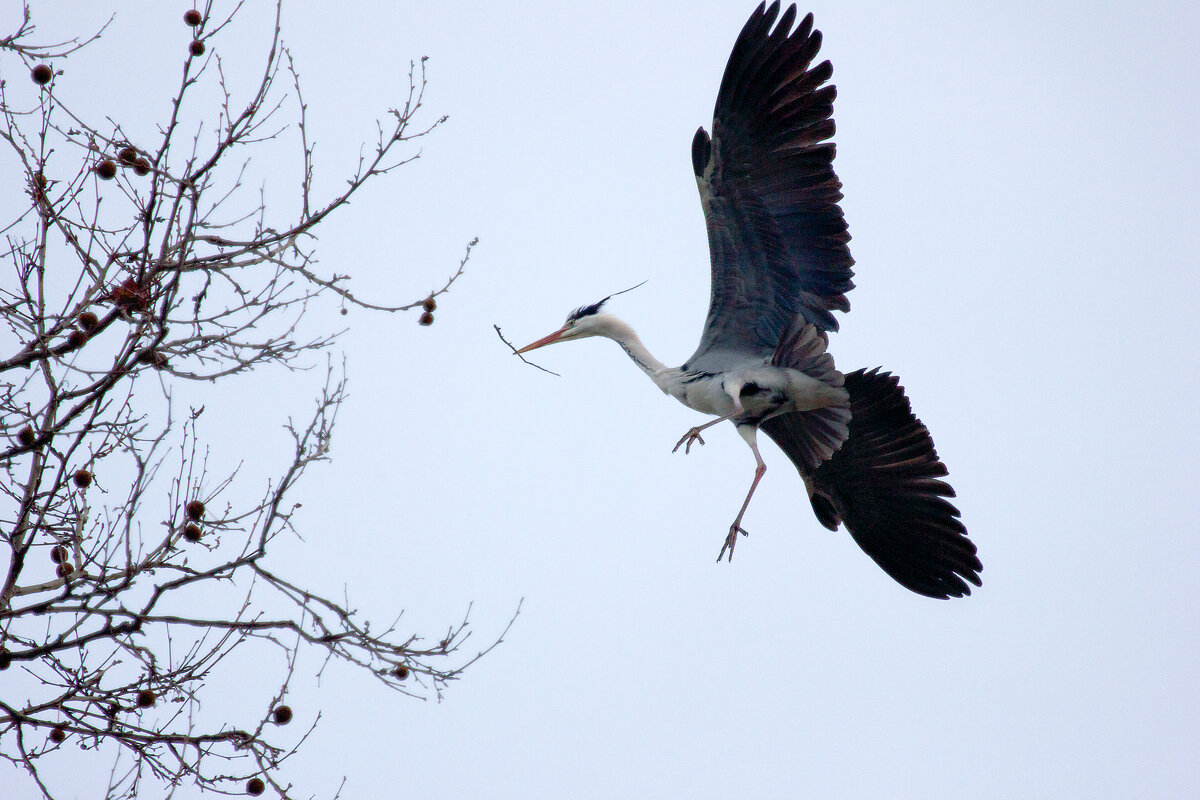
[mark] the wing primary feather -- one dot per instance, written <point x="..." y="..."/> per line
<point x="883" y="485"/>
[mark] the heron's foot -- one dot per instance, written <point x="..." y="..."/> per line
<point x="731" y="541"/>
<point x="689" y="438"/>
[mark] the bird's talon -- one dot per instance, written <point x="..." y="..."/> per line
<point x="689" y="438"/>
<point x="731" y="541"/>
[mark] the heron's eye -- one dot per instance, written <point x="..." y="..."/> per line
<point x="570" y="323"/>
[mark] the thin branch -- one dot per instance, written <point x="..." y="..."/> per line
<point x="518" y="355"/>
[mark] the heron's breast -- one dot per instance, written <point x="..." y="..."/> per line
<point x="704" y="393"/>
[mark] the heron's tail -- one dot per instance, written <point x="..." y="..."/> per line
<point x="884" y="484"/>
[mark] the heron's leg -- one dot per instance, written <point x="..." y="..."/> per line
<point x="750" y="434"/>
<point x="693" y="436"/>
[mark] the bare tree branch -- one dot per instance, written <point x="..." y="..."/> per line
<point x="133" y="270"/>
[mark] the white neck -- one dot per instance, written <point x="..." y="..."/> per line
<point x="622" y="334"/>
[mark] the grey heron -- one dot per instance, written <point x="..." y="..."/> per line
<point x="780" y="267"/>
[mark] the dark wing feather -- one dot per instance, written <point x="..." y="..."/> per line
<point x="777" y="237"/>
<point x="885" y="484"/>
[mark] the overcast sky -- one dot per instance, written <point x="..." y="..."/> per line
<point x="1021" y="185"/>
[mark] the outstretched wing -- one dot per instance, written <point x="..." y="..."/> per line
<point x="885" y="484"/>
<point x="776" y="234"/>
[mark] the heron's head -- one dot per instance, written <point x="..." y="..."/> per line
<point x="581" y="323"/>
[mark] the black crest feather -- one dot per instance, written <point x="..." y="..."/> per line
<point x="594" y="308"/>
<point x="587" y="311"/>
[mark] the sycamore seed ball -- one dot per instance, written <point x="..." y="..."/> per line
<point x="192" y="17"/>
<point x="88" y="321"/>
<point x="196" y="48"/>
<point x="145" y="698"/>
<point x="255" y="787"/>
<point x="58" y="735"/>
<point x="58" y="554"/>
<point x="42" y="74"/>
<point x="195" y="510"/>
<point x="426" y="319"/>
<point x="192" y="532"/>
<point x="107" y="170"/>
<point x="26" y="437"/>
<point x="282" y="715"/>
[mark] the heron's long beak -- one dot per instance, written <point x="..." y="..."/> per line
<point x="551" y="339"/>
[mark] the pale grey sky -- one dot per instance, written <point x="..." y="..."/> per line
<point x="1020" y="183"/>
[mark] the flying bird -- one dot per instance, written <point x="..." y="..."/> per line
<point x="780" y="268"/>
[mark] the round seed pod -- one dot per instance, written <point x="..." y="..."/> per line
<point x="430" y="304"/>
<point x="127" y="155"/>
<point x="106" y="170"/>
<point x="192" y="532"/>
<point x="195" y="510"/>
<point x="64" y="570"/>
<point x="255" y="787"/>
<point x="76" y="339"/>
<point x="82" y="478"/>
<point x="41" y="74"/>
<point x="88" y="321"/>
<point x="141" y="166"/>
<point x="58" y="554"/>
<point x="426" y="319"/>
<point x="282" y="715"/>
<point x="58" y="735"/>
<point x="192" y="17"/>
<point x="146" y="698"/>
<point x="400" y="672"/>
<point x="196" y="48"/>
<point x="26" y="436"/>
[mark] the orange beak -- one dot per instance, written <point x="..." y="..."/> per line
<point x="551" y="339"/>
